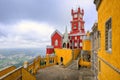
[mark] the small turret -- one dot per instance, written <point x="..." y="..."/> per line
<point x="25" y="65"/>
<point x="82" y="12"/>
<point x="79" y="10"/>
<point x="72" y="12"/>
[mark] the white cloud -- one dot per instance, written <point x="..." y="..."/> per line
<point x="27" y="34"/>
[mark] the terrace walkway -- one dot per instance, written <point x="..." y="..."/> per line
<point x="57" y="72"/>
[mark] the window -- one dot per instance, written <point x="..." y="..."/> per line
<point x="80" y="44"/>
<point x="75" y="44"/>
<point x="56" y="42"/>
<point x="99" y="39"/>
<point x="75" y="27"/>
<point x="70" y="37"/>
<point x="83" y="27"/>
<point x="108" y="35"/>
<point x="75" y="37"/>
<point x="81" y="16"/>
<point x="75" y="15"/>
<point x="81" y="37"/>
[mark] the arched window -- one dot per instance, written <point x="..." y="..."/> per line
<point x="56" y="42"/>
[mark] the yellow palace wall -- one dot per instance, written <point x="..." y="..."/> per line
<point x="76" y="53"/>
<point x="109" y="9"/>
<point x="66" y="54"/>
<point x="87" y="45"/>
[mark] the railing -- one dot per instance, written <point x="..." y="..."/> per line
<point x="18" y="74"/>
<point x="41" y="62"/>
<point x="6" y="70"/>
<point x="27" y="76"/>
<point x="47" y="61"/>
<point x="13" y="75"/>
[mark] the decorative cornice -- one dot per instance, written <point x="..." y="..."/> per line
<point x="78" y="34"/>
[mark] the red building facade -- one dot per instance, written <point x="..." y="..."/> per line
<point x="56" y="39"/>
<point x="49" y="50"/>
<point x="72" y="39"/>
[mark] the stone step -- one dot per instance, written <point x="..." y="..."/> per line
<point x="73" y="65"/>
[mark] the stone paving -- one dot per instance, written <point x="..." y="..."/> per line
<point x="57" y="72"/>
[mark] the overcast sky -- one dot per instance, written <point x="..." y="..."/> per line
<point x="30" y="23"/>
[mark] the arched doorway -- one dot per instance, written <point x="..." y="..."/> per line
<point x="68" y="45"/>
<point x="64" y="45"/>
<point x="61" y="59"/>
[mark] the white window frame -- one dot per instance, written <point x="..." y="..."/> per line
<point x="75" y="37"/>
<point x="108" y="35"/>
<point x="81" y="37"/>
<point x="80" y="44"/>
<point x="75" y="44"/>
<point x="109" y="40"/>
<point x="56" y="42"/>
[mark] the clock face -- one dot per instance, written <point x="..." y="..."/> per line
<point x="75" y="16"/>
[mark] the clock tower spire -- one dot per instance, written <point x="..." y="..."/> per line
<point x="77" y="23"/>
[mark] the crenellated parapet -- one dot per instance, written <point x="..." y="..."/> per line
<point x="77" y="11"/>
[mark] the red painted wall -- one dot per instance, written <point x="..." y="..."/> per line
<point x="49" y="50"/>
<point x="58" y="37"/>
<point x="76" y="41"/>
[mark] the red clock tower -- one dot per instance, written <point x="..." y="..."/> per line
<point x="77" y="28"/>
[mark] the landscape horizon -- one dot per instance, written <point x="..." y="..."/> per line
<point x="17" y="56"/>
